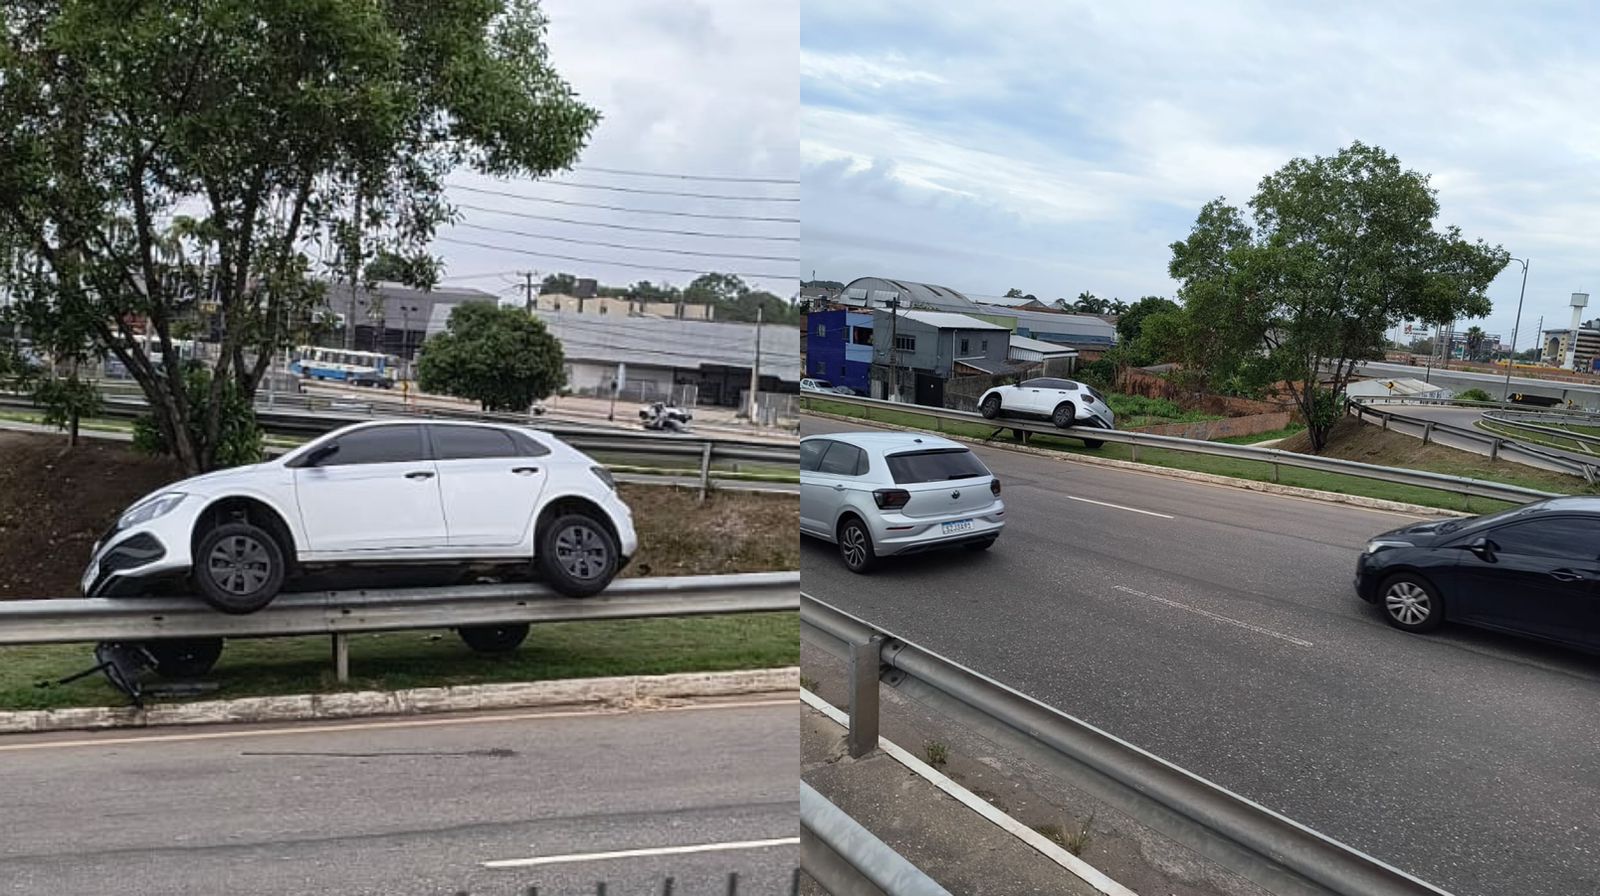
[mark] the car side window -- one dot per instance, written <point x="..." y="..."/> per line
<point x="843" y="460"/>
<point x="395" y="444"/>
<point x="811" y="454"/>
<point x="1558" y="537"/>
<point x="469" y="442"/>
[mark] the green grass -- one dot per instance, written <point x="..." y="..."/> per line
<point x="1259" y="471"/>
<point x="1531" y="438"/>
<point x="1267" y="436"/>
<point x="432" y="659"/>
<point x="1138" y="410"/>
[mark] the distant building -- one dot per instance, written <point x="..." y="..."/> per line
<point x="391" y="317"/>
<point x="915" y="352"/>
<point x="1557" y="342"/>
<point x="839" y="348"/>
<point x="622" y="307"/>
<point x="1081" y="331"/>
<point x="1034" y="351"/>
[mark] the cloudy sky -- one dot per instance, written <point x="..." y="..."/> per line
<point x="705" y="88"/>
<point x="1062" y="147"/>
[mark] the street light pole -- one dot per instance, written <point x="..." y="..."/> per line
<point x="1511" y="358"/>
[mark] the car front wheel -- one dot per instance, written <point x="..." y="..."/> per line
<point x="238" y="568"/>
<point x="493" y="638"/>
<point x="577" y="555"/>
<point x="1411" y="603"/>
<point x="990" y="408"/>
<point x="855" y="546"/>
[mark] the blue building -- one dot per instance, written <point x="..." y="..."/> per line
<point x="839" y="348"/>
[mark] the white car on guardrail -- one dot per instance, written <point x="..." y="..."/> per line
<point x="1062" y="402"/>
<point x="375" y="494"/>
<point x="876" y="494"/>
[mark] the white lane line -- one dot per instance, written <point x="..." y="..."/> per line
<point x="1219" y="617"/>
<point x="1165" y="516"/>
<point x="313" y="726"/>
<point x="640" y="853"/>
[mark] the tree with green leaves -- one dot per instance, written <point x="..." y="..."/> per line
<point x="559" y="285"/>
<point x="167" y="162"/>
<point x="502" y="358"/>
<point x="734" y="300"/>
<point x="1132" y="319"/>
<point x="1474" y="343"/>
<point x="420" y="270"/>
<point x="1337" y="250"/>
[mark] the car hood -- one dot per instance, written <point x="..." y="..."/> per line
<point x="1422" y="533"/>
<point x="207" y="483"/>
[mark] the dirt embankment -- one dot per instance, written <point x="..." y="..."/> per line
<point x="54" y="502"/>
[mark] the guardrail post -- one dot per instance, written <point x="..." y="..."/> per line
<point x="865" y="660"/>
<point x="1494" y="449"/>
<point x="1274" y="471"/>
<point x="1385" y="418"/>
<point x="341" y="657"/>
<point x="1427" y="430"/>
<point x="705" y="471"/>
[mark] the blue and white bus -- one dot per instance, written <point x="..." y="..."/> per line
<point x="341" y="365"/>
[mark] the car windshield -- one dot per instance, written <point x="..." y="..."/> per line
<point x="935" y="465"/>
<point x="1489" y="519"/>
<point x="822" y="384"/>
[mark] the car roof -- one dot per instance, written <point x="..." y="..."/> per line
<point x="889" y="441"/>
<point x="1566" y="504"/>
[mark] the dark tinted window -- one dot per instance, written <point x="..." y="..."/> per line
<point x="1049" y="383"/>
<point x="935" y="466"/>
<point x="844" y="460"/>
<point x="378" y="445"/>
<point x="811" y="453"/>
<point x="1570" y="537"/>
<point x="529" y="446"/>
<point x="467" y="442"/>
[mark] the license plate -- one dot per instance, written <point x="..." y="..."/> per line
<point x="957" y="526"/>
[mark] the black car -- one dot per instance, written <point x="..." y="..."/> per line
<point x="1531" y="570"/>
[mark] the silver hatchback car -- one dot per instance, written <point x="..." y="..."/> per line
<point x="878" y="494"/>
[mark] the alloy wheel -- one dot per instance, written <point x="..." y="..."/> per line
<point x="1408" y="603"/>
<point x="239" y="565"/>
<point x="581" y="552"/>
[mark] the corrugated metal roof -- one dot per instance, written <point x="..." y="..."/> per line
<point x="947" y="321"/>
<point x="1039" y="345"/>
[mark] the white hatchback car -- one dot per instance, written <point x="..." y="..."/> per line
<point x="382" y="494"/>
<point x="1063" y="402"/>
<point x="877" y="494"/>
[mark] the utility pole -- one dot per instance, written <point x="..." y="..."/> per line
<point x="527" y="286"/>
<point x="755" y="372"/>
<point x="894" y="368"/>
<point x="1511" y="359"/>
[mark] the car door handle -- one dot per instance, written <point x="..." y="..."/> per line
<point x="420" y="474"/>
<point x="524" y="471"/>
<point x="1566" y="575"/>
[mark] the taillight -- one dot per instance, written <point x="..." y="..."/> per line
<point x="994" y="486"/>
<point x="891" y="498"/>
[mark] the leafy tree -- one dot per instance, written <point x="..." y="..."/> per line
<point x="1474" y="343"/>
<point x="559" y="284"/>
<point x="502" y="358"/>
<point x="420" y="269"/>
<point x="650" y="292"/>
<point x="1340" y="249"/>
<point x="735" y="301"/>
<point x="1474" y="395"/>
<point x="1013" y="293"/>
<point x="1132" y="319"/>
<point x="239" y="441"/>
<point x="158" y="157"/>
<point x="825" y="284"/>
<point x="1089" y="303"/>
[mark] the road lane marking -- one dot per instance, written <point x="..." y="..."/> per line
<point x="311" y="726"/>
<point x="641" y="853"/>
<point x="1165" y="516"/>
<point x="1218" y="617"/>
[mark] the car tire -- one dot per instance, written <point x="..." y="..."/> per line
<point x="1411" y="603"/>
<point x="1064" y="415"/>
<point x="977" y="546"/>
<point x="1093" y="444"/>
<point x="577" y="555"/>
<point x="238" y="568"/>
<point x="990" y="408"/>
<point x="183" y="658"/>
<point x="855" y="546"/>
<point x="493" y="638"/>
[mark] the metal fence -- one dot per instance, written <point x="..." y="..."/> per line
<point x="342" y="613"/>
<point x="1497" y="444"/>
<point x="1460" y="485"/>
<point x="846" y="859"/>
<point x="1275" y="852"/>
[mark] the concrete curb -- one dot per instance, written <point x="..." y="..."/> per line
<point x="1270" y="488"/>
<point x="621" y="692"/>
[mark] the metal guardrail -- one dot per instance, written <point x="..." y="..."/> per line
<point x="342" y="613"/>
<point x="1281" y="855"/>
<point x="1460" y="485"/>
<point x="1497" y="444"/>
<point x="1528" y="421"/>
<point x="847" y="860"/>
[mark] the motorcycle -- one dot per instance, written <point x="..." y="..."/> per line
<point x="663" y="417"/>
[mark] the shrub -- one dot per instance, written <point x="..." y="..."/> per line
<point x="1474" y="395"/>
<point x="239" y="437"/>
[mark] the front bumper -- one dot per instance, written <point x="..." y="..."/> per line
<point x="1366" y="579"/>
<point x="894" y="535"/>
<point x="126" y="561"/>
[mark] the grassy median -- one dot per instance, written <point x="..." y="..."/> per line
<point x="1351" y="440"/>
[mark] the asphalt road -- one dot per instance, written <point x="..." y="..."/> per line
<point x="409" y="806"/>
<point x="1217" y="627"/>
<point x="1583" y="393"/>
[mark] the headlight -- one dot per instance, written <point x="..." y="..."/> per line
<point x="158" y="506"/>
<point x="1378" y="544"/>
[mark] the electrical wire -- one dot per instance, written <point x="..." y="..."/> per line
<point x="705" y="177"/>
<point x="605" y="261"/>
<point x="635" y="227"/>
<point x="568" y="239"/>
<point x="643" y="191"/>
<point x="623" y="208"/>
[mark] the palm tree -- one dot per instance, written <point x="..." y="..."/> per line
<point x="1474" y="342"/>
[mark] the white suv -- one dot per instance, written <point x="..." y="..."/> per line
<point x="880" y="493"/>
<point x="383" y="493"/>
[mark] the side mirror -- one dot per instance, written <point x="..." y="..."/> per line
<point x="1483" y="547"/>
<point x="322" y="453"/>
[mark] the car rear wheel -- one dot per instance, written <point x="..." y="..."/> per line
<point x="1092" y="443"/>
<point x="238" y="568"/>
<point x="855" y="546"/>
<point x="1065" y="415"/>
<point x="990" y="408"/>
<point x="1411" y="603"/>
<point x="184" y="658"/>
<point x="493" y="638"/>
<point x="577" y="555"/>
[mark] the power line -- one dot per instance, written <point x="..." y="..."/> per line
<point x="635" y="227"/>
<point x="566" y="239"/>
<point x="712" y="196"/>
<point x="604" y="261"/>
<point x="705" y="177"/>
<point x="622" y="208"/>
<point x="477" y="276"/>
